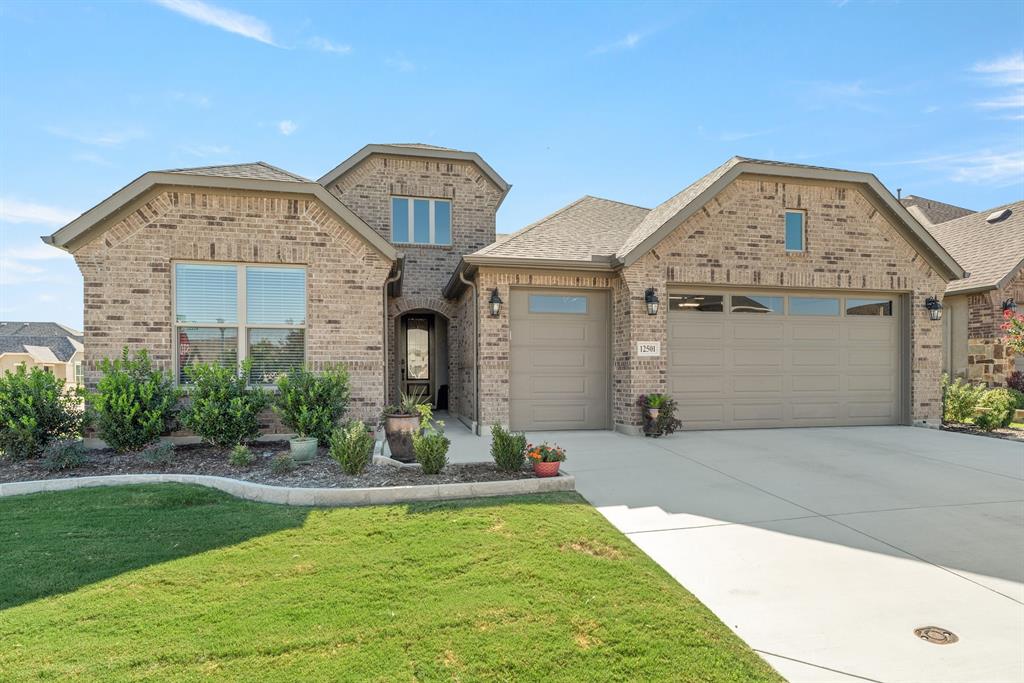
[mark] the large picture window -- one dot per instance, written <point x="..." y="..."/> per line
<point x="421" y="221"/>
<point x="224" y="314"/>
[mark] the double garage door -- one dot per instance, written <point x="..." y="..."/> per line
<point x="784" y="359"/>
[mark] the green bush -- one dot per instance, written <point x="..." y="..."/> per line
<point x="282" y="464"/>
<point x="35" y="409"/>
<point x="1018" y="397"/>
<point x="312" y="403"/>
<point x="241" y="456"/>
<point x="134" y="403"/>
<point x="159" y="453"/>
<point x="352" y="447"/>
<point x="431" y="449"/>
<point x="959" y="399"/>
<point x="223" y="410"/>
<point x="1000" y="405"/>
<point x="66" y="454"/>
<point x="508" y="449"/>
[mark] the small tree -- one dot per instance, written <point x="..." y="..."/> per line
<point x="223" y="409"/>
<point x="311" y="404"/>
<point x="35" y="409"/>
<point x="134" y="402"/>
<point x="1013" y="326"/>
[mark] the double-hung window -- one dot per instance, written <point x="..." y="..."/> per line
<point x="227" y="313"/>
<point x="421" y="221"/>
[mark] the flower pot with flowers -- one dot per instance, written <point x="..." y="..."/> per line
<point x="546" y="458"/>
<point x="659" y="414"/>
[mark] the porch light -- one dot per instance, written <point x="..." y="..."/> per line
<point x="934" y="307"/>
<point x="495" y="302"/>
<point x="651" y="299"/>
<point x="1010" y="305"/>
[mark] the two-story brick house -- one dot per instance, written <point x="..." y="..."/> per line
<point x="764" y="294"/>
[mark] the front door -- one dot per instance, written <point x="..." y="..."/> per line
<point x="416" y="375"/>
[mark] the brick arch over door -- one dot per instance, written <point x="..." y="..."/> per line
<point x="398" y="307"/>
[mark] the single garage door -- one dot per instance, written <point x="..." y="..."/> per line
<point x="561" y="358"/>
<point x="744" y="359"/>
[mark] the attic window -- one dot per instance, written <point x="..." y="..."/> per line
<point x="1000" y="215"/>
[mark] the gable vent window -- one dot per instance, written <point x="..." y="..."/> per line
<point x="421" y="221"/>
<point x="795" y="230"/>
<point x="225" y="314"/>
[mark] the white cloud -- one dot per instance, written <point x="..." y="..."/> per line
<point x="225" y="19"/>
<point x="109" y="138"/>
<point x="989" y="167"/>
<point x="287" y="127"/>
<point x="628" y="42"/>
<point x="47" y="298"/>
<point x="400" y="63"/>
<point x="1014" y="101"/>
<point x="16" y="211"/>
<point x="324" y="45"/>
<point x="205" y="151"/>
<point x="1007" y="70"/>
<point x="18" y="267"/>
<point x="930" y="109"/>
<point x="195" y="99"/>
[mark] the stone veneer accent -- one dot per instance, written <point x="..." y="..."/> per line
<point x="367" y="190"/>
<point x="737" y="240"/>
<point x="127" y="274"/>
<point x="988" y="360"/>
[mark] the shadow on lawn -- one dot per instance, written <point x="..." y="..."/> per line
<point x="54" y="543"/>
<point x="555" y="498"/>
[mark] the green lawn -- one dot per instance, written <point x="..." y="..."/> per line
<point x="182" y="583"/>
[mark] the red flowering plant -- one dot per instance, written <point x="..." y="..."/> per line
<point x="545" y="452"/>
<point x="1013" y="326"/>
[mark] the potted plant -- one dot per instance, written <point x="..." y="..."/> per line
<point x="659" y="414"/>
<point x="654" y="403"/>
<point x="546" y="458"/>
<point x="310" y="404"/>
<point x="401" y="422"/>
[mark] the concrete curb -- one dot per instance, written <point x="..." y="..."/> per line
<point x="322" y="497"/>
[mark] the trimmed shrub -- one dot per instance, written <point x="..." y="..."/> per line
<point x="508" y="449"/>
<point x="959" y="399"/>
<point x="241" y="456"/>
<point x="134" y="403"/>
<point x="159" y="453"/>
<point x="1016" y="380"/>
<point x="431" y="450"/>
<point x="223" y="410"/>
<point x="35" y="409"/>
<point x="312" y="403"/>
<point x="352" y="447"/>
<point x="282" y="464"/>
<point x="1000" y="404"/>
<point x="63" y="455"/>
<point x="1018" y="397"/>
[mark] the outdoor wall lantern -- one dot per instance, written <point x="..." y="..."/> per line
<point x="651" y="299"/>
<point x="1010" y="305"/>
<point x="495" y="302"/>
<point x="934" y="308"/>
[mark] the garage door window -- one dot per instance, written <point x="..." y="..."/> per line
<point x="868" y="307"/>
<point x="705" y="303"/>
<point x="755" y="303"/>
<point x="544" y="303"/>
<point x="806" y="305"/>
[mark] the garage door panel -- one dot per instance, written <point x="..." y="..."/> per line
<point x="735" y="370"/>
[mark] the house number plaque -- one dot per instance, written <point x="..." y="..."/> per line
<point x="648" y="348"/>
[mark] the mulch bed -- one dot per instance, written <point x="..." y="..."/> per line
<point x="202" y="459"/>
<point x="1001" y="433"/>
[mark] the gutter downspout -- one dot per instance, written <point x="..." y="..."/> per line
<point x="387" y="283"/>
<point x="476" y="350"/>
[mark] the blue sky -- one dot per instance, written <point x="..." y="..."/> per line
<point x="626" y="101"/>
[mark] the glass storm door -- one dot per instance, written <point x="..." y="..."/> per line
<point x="417" y="357"/>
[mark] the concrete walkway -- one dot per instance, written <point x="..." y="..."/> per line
<point x="825" y="548"/>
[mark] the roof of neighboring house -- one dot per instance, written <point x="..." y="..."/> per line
<point x="602" y="231"/>
<point x="415" y="149"/>
<point x="46" y="342"/>
<point x="258" y="176"/>
<point x="589" y="227"/>
<point x="931" y="212"/>
<point x="991" y="252"/>
<point x="258" y="169"/>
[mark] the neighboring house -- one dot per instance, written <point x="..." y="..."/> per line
<point x="50" y="346"/>
<point x="990" y="247"/>
<point x="764" y="294"/>
<point x="930" y="212"/>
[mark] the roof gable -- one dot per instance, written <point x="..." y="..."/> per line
<point x="990" y="252"/>
<point x="931" y="212"/>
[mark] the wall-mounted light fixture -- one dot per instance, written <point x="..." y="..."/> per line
<point x="1010" y="305"/>
<point x="934" y="307"/>
<point x="495" y="302"/>
<point x="651" y="299"/>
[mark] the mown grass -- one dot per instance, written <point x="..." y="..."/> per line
<point x="181" y="583"/>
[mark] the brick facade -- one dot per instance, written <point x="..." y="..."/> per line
<point x="988" y="360"/>
<point x="127" y="274"/>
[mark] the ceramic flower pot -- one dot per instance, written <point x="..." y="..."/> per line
<point x="653" y="413"/>
<point x="399" y="430"/>
<point x="546" y="469"/>
<point x="303" y="448"/>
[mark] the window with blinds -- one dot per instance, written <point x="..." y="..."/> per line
<point x="225" y="314"/>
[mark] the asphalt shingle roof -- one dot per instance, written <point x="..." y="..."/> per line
<point x="933" y="212"/>
<point x="989" y="252"/>
<point x="257" y="170"/>
<point x="16" y="336"/>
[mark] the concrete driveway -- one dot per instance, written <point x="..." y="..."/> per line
<point x="825" y="548"/>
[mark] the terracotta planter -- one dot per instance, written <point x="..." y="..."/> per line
<point x="303" y="448"/>
<point x="399" y="430"/>
<point x="546" y="469"/>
